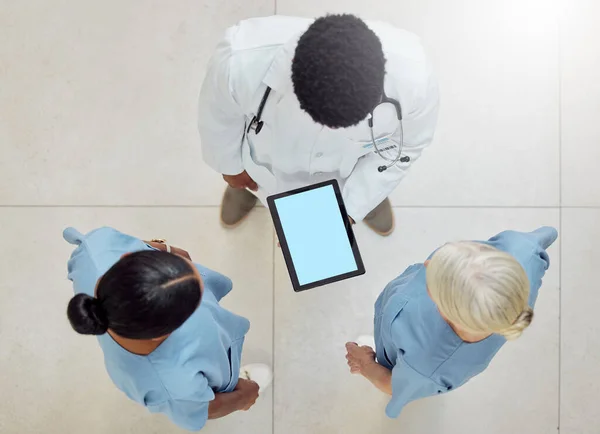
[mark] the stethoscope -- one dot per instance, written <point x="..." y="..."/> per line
<point x="256" y="124"/>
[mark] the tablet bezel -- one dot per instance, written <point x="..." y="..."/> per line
<point x="285" y="248"/>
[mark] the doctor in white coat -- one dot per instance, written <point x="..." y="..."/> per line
<point x="289" y="102"/>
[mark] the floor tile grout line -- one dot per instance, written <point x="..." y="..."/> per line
<point x="560" y="210"/>
<point x="560" y="292"/>
<point x="273" y="249"/>
<point x="395" y="207"/>
<point x="273" y="241"/>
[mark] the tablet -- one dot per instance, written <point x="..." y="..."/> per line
<point x="315" y="235"/>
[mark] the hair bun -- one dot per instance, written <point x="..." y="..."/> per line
<point x="86" y="315"/>
<point x="521" y="323"/>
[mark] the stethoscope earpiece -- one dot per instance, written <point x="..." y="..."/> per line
<point x="382" y="169"/>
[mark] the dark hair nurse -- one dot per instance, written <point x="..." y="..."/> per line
<point x="167" y="342"/>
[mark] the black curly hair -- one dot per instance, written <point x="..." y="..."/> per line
<point x="145" y="295"/>
<point x="338" y="70"/>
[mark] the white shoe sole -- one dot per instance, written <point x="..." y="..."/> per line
<point x="260" y="373"/>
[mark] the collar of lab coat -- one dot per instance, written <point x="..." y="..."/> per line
<point x="279" y="74"/>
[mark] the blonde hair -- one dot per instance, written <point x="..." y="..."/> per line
<point x="480" y="288"/>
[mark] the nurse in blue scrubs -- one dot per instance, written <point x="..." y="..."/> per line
<point x="167" y="343"/>
<point x="440" y="323"/>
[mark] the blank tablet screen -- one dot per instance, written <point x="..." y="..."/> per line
<point x="316" y="235"/>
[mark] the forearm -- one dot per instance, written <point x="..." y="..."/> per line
<point x="380" y="376"/>
<point x="224" y="404"/>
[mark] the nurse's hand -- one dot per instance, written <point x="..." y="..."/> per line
<point x="359" y="358"/>
<point x="241" y="180"/>
<point x="248" y="391"/>
<point x="175" y="250"/>
<point x="181" y="252"/>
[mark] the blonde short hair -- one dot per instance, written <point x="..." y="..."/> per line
<point x="480" y="288"/>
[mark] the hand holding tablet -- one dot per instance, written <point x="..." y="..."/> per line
<point x="315" y="235"/>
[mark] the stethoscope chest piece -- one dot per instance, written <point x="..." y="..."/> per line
<point x="259" y="126"/>
<point x="256" y="124"/>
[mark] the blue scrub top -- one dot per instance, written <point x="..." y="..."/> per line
<point x="199" y="359"/>
<point x="413" y="340"/>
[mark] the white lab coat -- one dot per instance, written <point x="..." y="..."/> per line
<point x="292" y="150"/>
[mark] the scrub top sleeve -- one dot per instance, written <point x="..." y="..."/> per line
<point x="408" y="385"/>
<point x="81" y="269"/>
<point x="188" y="409"/>
<point x="544" y="237"/>
<point x="215" y="282"/>
<point x="540" y="260"/>
<point x="190" y="415"/>
<point x="221" y="120"/>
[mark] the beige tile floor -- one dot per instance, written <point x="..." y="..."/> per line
<point x="97" y="127"/>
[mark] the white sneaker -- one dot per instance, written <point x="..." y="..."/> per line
<point x="366" y="341"/>
<point x="260" y="373"/>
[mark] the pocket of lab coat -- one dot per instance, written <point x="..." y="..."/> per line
<point x="360" y="149"/>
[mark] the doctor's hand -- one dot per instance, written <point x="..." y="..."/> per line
<point x="359" y="358"/>
<point x="248" y="392"/>
<point x="241" y="180"/>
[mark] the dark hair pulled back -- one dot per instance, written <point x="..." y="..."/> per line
<point x="338" y="70"/>
<point x="144" y="295"/>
